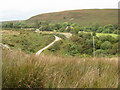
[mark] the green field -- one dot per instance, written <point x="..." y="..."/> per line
<point x="101" y="34"/>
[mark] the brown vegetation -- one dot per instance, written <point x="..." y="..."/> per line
<point x="82" y="17"/>
<point x="22" y="70"/>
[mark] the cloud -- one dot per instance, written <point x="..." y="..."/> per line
<point x="23" y="9"/>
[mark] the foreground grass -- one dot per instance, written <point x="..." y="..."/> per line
<point x="21" y="70"/>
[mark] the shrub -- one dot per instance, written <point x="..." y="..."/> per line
<point x="73" y="49"/>
<point x="55" y="47"/>
<point x="89" y="42"/>
<point x="106" y="45"/>
<point x="108" y="28"/>
<point x="100" y="52"/>
<point x="75" y="38"/>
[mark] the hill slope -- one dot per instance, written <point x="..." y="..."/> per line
<point x="83" y="17"/>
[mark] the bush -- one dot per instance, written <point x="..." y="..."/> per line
<point x="106" y="45"/>
<point x="108" y="28"/>
<point x="89" y="42"/>
<point x="100" y="52"/>
<point x="55" y="47"/>
<point x="75" y="38"/>
<point x="114" y="49"/>
<point x="74" y="49"/>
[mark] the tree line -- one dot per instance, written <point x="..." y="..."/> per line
<point x="66" y="27"/>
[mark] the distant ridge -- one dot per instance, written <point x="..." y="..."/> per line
<point x="83" y="17"/>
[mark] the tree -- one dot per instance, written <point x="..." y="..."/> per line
<point x="64" y="17"/>
<point x="98" y="44"/>
<point x="119" y="30"/>
<point x="89" y="42"/>
<point x="115" y="26"/>
<point x="76" y="30"/>
<point x="88" y="28"/>
<point x="100" y="52"/>
<point x="81" y="28"/>
<point x="94" y="34"/>
<point x="62" y="29"/>
<point x="74" y="24"/>
<point x="100" y="29"/>
<point x="107" y="38"/>
<point x="85" y="35"/>
<point x="65" y="24"/>
<point x="73" y="49"/>
<point x="115" y="32"/>
<point x="95" y="27"/>
<point x="108" y="28"/>
<point x="106" y="45"/>
<point x="58" y="26"/>
<point x="8" y="25"/>
<point x="75" y="38"/>
<point x="115" y="48"/>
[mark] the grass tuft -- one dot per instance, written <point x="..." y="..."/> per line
<point x="28" y="71"/>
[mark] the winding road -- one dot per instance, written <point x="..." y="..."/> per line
<point x="56" y="39"/>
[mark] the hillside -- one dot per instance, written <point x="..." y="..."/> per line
<point x="83" y="17"/>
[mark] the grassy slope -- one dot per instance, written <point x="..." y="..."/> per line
<point x="29" y="42"/>
<point x="83" y="17"/>
<point x="21" y="70"/>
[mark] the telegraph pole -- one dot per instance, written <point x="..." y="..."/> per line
<point x="94" y="46"/>
<point x="94" y="34"/>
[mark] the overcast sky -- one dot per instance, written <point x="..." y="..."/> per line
<point x="24" y="9"/>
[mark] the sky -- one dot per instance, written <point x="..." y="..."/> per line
<point x="24" y="9"/>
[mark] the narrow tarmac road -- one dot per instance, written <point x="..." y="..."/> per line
<point x="56" y="39"/>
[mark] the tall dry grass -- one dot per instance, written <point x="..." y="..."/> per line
<point x="21" y="70"/>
